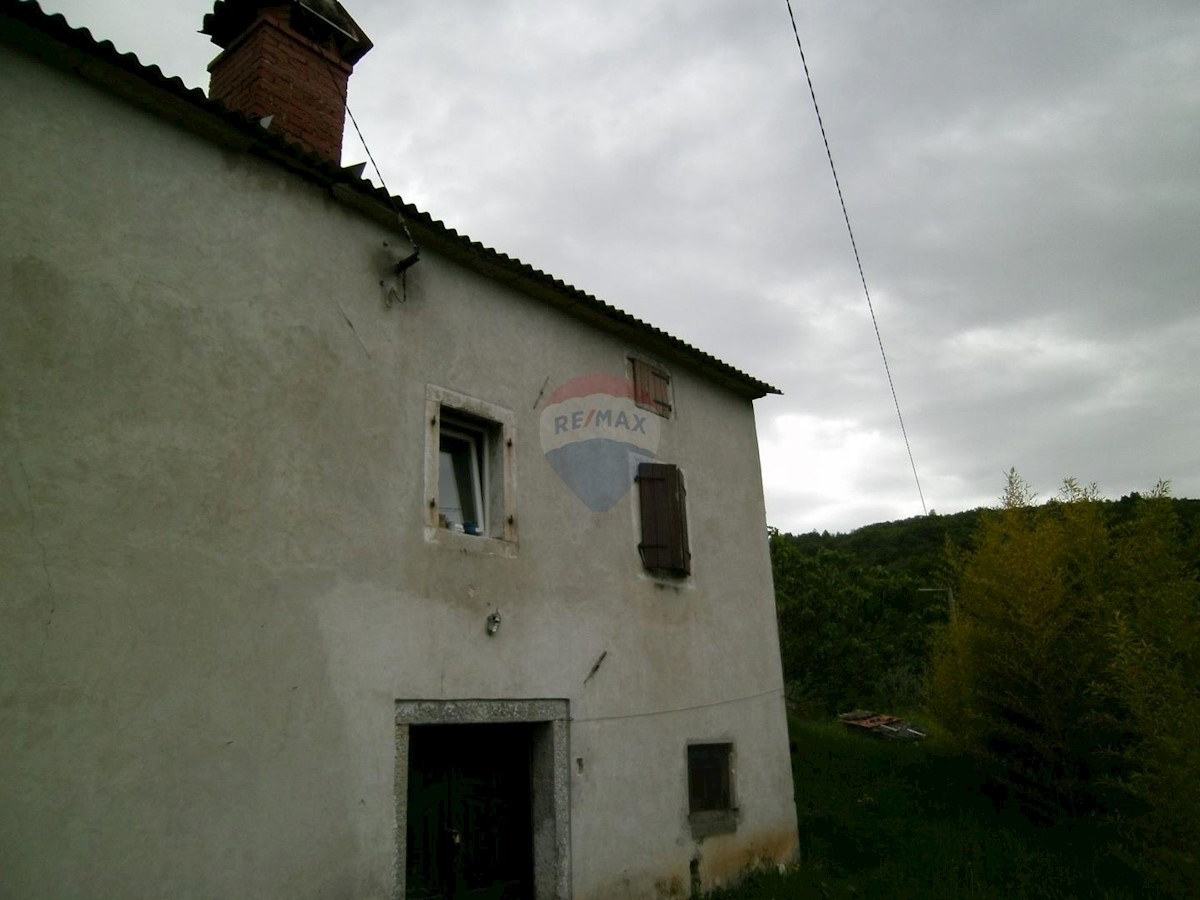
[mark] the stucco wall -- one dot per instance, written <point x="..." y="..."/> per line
<point x="216" y="576"/>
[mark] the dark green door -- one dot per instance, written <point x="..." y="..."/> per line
<point x="470" y="832"/>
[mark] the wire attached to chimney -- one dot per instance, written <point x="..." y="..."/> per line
<point x="403" y="266"/>
<point x="378" y="174"/>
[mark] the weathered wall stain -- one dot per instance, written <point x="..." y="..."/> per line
<point x="716" y="861"/>
<point x="722" y="860"/>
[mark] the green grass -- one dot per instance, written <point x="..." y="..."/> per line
<point x="886" y="819"/>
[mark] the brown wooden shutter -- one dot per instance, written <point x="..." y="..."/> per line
<point x="660" y="392"/>
<point x="651" y="387"/>
<point x="664" y="545"/>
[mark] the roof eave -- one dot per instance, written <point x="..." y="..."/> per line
<point x="51" y="38"/>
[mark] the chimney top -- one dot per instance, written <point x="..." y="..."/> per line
<point x="287" y="62"/>
<point x="324" y="22"/>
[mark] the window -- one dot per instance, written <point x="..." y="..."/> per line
<point x="651" y="387"/>
<point x="664" y="545"/>
<point x="710" y="789"/>
<point x="709" y="777"/>
<point x="469" y="473"/>
<point x="462" y="474"/>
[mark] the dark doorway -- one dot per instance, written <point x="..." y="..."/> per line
<point x="470" y="822"/>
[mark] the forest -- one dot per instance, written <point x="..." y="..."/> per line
<point x="1056" y="644"/>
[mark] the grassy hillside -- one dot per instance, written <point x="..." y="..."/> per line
<point x="884" y="819"/>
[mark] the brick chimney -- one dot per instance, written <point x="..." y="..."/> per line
<point x="290" y="60"/>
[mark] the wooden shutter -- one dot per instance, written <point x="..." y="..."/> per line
<point x="664" y="545"/>
<point x="651" y="387"/>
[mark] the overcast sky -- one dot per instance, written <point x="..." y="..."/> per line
<point x="1023" y="179"/>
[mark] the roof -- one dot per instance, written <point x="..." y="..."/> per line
<point x="171" y="99"/>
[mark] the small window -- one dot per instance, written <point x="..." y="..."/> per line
<point x="710" y="789"/>
<point x="469" y="473"/>
<point x="664" y="545"/>
<point x="709" y="777"/>
<point x="651" y="387"/>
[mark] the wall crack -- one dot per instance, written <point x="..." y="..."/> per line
<point x="354" y="330"/>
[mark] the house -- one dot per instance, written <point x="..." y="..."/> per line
<point x="343" y="556"/>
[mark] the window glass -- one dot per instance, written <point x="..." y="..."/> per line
<point x="460" y="491"/>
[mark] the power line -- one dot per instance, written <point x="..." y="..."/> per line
<point x="343" y="94"/>
<point x="402" y="266"/>
<point x="854" y="245"/>
<point x="678" y="709"/>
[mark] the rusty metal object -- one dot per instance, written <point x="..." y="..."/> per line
<point x="881" y="725"/>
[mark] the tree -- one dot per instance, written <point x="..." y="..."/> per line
<point x="850" y="635"/>
<point x="1072" y="669"/>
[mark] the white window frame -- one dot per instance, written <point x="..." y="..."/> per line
<point x="491" y="429"/>
<point x="476" y="440"/>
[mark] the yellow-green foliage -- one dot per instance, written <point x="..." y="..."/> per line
<point x="1155" y="671"/>
<point x="1073" y="667"/>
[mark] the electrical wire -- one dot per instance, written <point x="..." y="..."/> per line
<point x="379" y="175"/>
<point x="344" y="96"/>
<point x="676" y="709"/>
<point x="854" y="245"/>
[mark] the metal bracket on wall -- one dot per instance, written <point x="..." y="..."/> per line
<point x="408" y="262"/>
<point x="399" y="268"/>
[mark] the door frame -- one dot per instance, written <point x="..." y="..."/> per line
<point x="549" y="779"/>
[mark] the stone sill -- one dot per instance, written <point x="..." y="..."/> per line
<point x="477" y="545"/>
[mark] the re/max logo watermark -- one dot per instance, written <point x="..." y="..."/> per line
<point x="594" y="436"/>
<point x="601" y="418"/>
